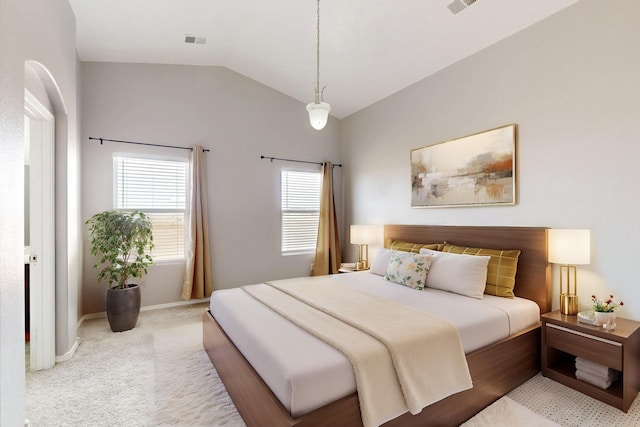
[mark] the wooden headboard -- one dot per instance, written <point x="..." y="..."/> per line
<point x="533" y="277"/>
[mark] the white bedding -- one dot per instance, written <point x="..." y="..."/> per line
<point x="305" y="373"/>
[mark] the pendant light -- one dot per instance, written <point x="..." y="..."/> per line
<point x="318" y="110"/>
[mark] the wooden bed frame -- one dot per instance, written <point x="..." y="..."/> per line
<point x="495" y="369"/>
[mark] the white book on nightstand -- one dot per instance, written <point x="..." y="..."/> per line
<point x="347" y="267"/>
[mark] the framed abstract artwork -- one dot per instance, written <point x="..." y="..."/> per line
<point x="475" y="170"/>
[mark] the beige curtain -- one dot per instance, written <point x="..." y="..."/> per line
<point x="197" y="275"/>
<point x="328" y="246"/>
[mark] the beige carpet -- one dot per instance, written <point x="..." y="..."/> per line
<point x="159" y="374"/>
<point x="155" y="374"/>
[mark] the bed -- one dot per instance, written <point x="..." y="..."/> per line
<point x="495" y="369"/>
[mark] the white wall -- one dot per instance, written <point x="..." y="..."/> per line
<point x="41" y="31"/>
<point x="571" y="85"/>
<point x="236" y="118"/>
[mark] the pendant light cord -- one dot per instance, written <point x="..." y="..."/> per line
<point x="318" y="94"/>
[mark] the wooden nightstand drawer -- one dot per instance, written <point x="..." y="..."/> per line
<point x="596" y="349"/>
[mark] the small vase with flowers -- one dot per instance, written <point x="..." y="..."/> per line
<point x="604" y="309"/>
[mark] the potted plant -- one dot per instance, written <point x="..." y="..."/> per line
<point x="121" y="241"/>
<point x="605" y="311"/>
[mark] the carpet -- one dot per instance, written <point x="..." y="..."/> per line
<point x="153" y="375"/>
<point x="159" y="374"/>
<point x="108" y="382"/>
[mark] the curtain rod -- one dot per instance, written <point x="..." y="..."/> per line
<point x="143" y="143"/>
<point x="296" y="161"/>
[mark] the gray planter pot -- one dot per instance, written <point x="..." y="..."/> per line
<point x="123" y="307"/>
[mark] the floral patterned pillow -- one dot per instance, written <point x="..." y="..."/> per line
<point x="408" y="269"/>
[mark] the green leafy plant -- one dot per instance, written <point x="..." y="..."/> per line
<point x="121" y="241"/>
<point x="606" y="305"/>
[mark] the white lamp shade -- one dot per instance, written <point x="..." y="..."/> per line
<point x="318" y="114"/>
<point x="569" y="247"/>
<point x="363" y="234"/>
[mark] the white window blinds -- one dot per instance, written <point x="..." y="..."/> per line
<point x="300" y="210"/>
<point x="159" y="189"/>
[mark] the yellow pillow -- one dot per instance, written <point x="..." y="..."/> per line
<point x="501" y="271"/>
<point x="397" y="245"/>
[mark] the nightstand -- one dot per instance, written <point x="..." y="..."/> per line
<point x="564" y="338"/>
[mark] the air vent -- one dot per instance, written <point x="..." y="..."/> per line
<point x="195" y="40"/>
<point x="458" y="6"/>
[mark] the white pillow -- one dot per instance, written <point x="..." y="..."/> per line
<point x="381" y="262"/>
<point x="408" y="269"/>
<point x="458" y="273"/>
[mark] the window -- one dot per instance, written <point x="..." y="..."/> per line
<point x="159" y="189"/>
<point x="300" y="211"/>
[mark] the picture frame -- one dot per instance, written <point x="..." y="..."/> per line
<point x="475" y="170"/>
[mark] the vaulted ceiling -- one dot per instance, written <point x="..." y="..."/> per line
<point x="369" y="49"/>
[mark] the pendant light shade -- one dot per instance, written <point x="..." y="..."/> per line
<point x="318" y="110"/>
<point x="318" y="114"/>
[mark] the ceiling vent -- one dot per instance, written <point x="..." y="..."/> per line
<point x="458" y="6"/>
<point x="195" y="40"/>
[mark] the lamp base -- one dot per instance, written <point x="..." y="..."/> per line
<point x="568" y="304"/>
<point x="362" y="265"/>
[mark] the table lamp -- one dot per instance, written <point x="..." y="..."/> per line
<point x="363" y="235"/>
<point x="569" y="248"/>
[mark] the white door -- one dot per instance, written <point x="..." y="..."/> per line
<point x="40" y="134"/>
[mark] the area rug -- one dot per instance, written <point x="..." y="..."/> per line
<point x="188" y="391"/>
<point x="506" y="413"/>
<point x="569" y="407"/>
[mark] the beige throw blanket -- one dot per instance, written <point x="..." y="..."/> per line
<point x="403" y="359"/>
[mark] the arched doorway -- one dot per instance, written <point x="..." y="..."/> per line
<point x="62" y="289"/>
<point x="40" y="229"/>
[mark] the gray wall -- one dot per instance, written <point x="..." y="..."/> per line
<point x="571" y="85"/>
<point x="236" y="118"/>
<point x="42" y="33"/>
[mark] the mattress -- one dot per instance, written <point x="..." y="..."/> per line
<point x="305" y="373"/>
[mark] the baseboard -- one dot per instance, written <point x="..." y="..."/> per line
<point x="69" y="354"/>
<point x="103" y="314"/>
<point x="90" y="316"/>
<point x="173" y="304"/>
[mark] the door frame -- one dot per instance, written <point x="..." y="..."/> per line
<point x="42" y="233"/>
